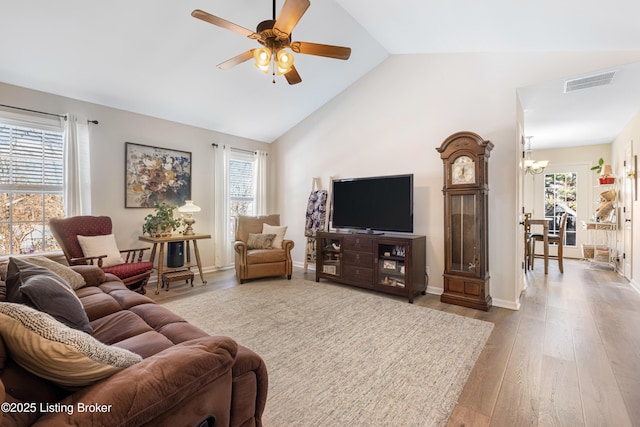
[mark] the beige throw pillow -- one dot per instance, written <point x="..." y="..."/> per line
<point x="101" y="245"/>
<point x="278" y="230"/>
<point x="75" y="279"/>
<point x="51" y="350"/>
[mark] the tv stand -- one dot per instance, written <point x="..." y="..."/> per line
<point x="370" y="232"/>
<point x="390" y="263"/>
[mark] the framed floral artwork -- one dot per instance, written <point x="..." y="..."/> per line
<point x="155" y="175"/>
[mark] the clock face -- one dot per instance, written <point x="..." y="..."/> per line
<point x="463" y="171"/>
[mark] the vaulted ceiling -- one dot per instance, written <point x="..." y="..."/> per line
<point x="152" y="57"/>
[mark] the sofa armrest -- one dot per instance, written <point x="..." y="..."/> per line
<point x="158" y="385"/>
<point x="92" y="274"/>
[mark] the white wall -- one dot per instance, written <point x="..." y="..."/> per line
<point x="630" y="134"/>
<point x="108" y="153"/>
<point x="392" y="120"/>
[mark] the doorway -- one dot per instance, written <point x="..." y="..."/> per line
<point x="562" y="188"/>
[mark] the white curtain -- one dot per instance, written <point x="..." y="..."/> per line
<point x="77" y="176"/>
<point x="261" y="177"/>
<point x="222" y="239"/>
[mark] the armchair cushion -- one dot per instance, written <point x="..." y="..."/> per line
<point x="260" y="241"/>
<point x="263" y="256"/>
<point x="93" y="246"/>
<point x="51" y="350"/>
<point x="129" y="269"/>
<point x="42" y="289"/>
<point x="278" y="230"/>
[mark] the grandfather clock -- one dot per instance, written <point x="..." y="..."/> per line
<point x="465" y="157"/>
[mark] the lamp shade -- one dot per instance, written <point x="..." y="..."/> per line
<point x="284" y="61"/>
<point x="606" y="170"/>
<point x="262" y="57"/>
<point x="189" y="207"/>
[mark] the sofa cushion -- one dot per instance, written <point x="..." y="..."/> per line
<point x="93" y="246"/>
<point x="52" y="350"/>
<point x="278" y="230"/>
<point x="44" y="290"/>
<point x="260" y="241"/>
<point x="119" y="326"/>
<point x="92" y="274"/>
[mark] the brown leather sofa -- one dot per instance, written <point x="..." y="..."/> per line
<point x="253" y="263"/>
<point x="185" y="378"/>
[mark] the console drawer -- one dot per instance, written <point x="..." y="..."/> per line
<point x="359" y="259"/>
<point x="358" y="243"/>
<point x="358" y="274"/>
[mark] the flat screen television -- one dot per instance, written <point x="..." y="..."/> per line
<point x="374" y="204"/>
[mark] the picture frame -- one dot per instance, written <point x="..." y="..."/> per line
<point x="389" y="265"/>
<point x="155" y="175"/>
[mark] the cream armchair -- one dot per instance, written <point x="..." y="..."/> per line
<point x="256" y="260"/>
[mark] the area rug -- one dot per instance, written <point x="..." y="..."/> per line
<point x="338" y="356"/>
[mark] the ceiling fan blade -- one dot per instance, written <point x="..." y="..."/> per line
<point x="239" y="59"/>
<point x="291" y="12"/>
<point x="337" y="52"/>
<point x="223" y="23"/>
<point x="293" y="77"/>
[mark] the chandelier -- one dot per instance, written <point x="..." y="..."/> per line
<point x="532" y="166"/>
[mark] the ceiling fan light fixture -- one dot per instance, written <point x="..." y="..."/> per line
<point x="262" y="58"/>
<point x="284" y="61"/>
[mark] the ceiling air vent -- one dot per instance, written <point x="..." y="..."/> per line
<point x="589" y="81"/>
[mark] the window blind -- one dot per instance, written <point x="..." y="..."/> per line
<point x="31" y="159"/>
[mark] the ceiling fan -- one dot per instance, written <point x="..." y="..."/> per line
<point x="275" y="36"/>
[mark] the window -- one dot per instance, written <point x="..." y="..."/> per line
<point x="31" y="186"/>
<point x="241" y="187"/>
<point x="560" y="197"/>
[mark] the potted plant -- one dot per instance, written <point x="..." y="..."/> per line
<point x="606" y="176"/>
<point x="162" y="223"/>
<point x="598" y="168"/>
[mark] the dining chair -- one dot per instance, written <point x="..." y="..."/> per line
<point x="555" y="238"/>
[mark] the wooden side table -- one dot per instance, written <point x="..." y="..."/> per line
<point x="175" y="238"/>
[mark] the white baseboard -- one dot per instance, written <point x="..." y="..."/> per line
<point x="434" y="290"/>
<point x="496" y="302"/>
<point x="511" y="305"/>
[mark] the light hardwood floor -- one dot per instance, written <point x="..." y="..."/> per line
<point x="569" y="357"/>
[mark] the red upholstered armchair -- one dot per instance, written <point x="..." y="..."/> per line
<point x="125" y="264"/>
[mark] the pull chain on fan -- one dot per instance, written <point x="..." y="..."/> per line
<point x="275" y="36"/>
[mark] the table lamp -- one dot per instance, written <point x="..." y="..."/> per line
<point x="188" y="210"/>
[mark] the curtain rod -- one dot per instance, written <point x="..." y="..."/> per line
<point x="237" y="149"/>
<point x="95" y="122"/>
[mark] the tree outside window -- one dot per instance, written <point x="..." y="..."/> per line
<point x="31" y="191"/>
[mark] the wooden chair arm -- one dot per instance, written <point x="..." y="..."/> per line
<point x="87" y="260"/>
<point x="131" y="254"/>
